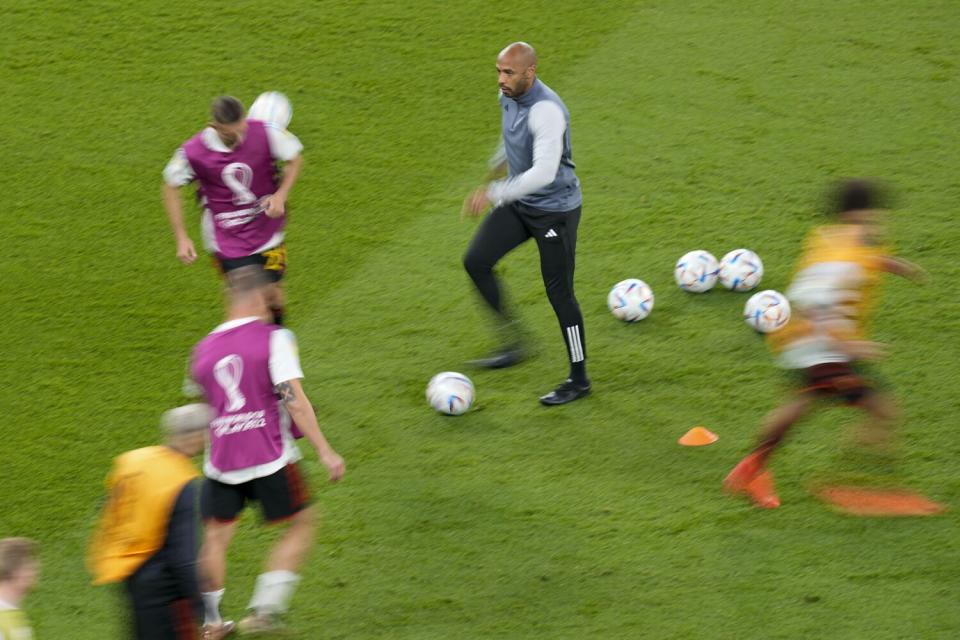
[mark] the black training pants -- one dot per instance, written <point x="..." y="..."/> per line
<point x="509" y="226"/>
<point x="159" y="613"/>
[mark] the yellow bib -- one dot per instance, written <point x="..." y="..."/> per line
<point x="848" y="243"/>
<point x="14" y="625"/>
<point x="143" y="486"/>
<point x="838" y="243"/>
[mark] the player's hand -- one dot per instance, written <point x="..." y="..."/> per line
<point x="335" y="465"/>
<point x="274" y="205"/>
<point x="186" y="253"/>
<point x="477" y="202"/>
<point x="915" y="273"/>
<point x="905" y="269"/>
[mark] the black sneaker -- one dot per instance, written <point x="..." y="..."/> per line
<point x="566" y="392"/>
<point x="501" y="359"/>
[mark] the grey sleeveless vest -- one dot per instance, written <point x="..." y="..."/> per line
<point x="563" y="194"/>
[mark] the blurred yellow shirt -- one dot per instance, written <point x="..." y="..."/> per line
<point x="837" y="244"/>
<point x="143" y="487"/>
<point x="849" y="243"/>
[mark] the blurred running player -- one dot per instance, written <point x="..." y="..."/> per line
<point x="234" y="161"/>
<point x="18" y="576"/>
<point x="242" y="366"/>
<point x="825" y="343"/>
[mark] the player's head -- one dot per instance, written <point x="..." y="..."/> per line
<point x="186" y="427"/>
<point x="516" y="69"/>
<point x="856" y="200"/>
<point x="227" y="117"/>
<point x="19" y="566"/>
<point x="247" y="290"/>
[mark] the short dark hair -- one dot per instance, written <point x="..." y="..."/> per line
<point x="246" y="279"/>
<point x="14" y="554"/>
<point x="855" y="194"/>
<point x="226" y="110"/>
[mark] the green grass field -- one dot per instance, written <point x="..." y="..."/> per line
<point x="695" y="125"/>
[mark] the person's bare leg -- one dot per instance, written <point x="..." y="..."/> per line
<point x="776" y="426"/>
<point x="275" y="585"/>
<point x="276" y="300"/>
<point x="876" y="433"/>
<point x="289" y="552"/>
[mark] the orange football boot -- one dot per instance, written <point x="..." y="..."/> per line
<point x="743" y="474"/>
<point x="762" y="492"/>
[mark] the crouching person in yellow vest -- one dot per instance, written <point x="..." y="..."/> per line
<point x="147" y="536"/>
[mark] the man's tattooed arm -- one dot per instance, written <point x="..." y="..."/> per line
<point x="286" y="392"/>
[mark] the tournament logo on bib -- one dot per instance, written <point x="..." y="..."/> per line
<point x="228" y="372"/>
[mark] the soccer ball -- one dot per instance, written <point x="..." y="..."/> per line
<point x="740" y="270"/>
<point x="450" y="393"/>
<point x="630" y="300"/>
<point x="767" y="311"/>
<point x="272" y="107"/>
<point x="696" y="271"/>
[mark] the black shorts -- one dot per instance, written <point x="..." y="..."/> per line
<point x="273" y="261"/>
<point x="281" y="496"/>
<point x="839" y="380"/>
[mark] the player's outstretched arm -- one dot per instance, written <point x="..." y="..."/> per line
<point x="186" y="252"/>
<point x="302" y="413"/>
<point x="275" y="204"/>
<point x="904" y="269"/>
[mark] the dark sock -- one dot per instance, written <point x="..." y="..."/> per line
<point x="511" y="335"/>
<point x="578" y="372"/>
<point x="277" y="315"/>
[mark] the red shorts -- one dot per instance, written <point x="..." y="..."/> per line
<point x="840" y="380"/>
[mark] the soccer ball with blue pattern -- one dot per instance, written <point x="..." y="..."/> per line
<point x="630" y="300"/>
<point x="767" y="311"/>
<point x="696" y="271"/>
<point x="740" y="270"/>
<point x="450" y="393"/>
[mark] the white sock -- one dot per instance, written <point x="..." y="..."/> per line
<point x="273" y="591"/>
<point x="211" y="606"/>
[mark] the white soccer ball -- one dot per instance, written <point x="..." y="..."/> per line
<point x="767" y="311"/>
<point x="450" y="393"/>
<point x="272" y="107"/>
<point x="630" y="300"/>
<point x="696" y="271"/>
<point x="740" y="270"/>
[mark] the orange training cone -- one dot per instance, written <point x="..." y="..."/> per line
<point x="698" y="437"/>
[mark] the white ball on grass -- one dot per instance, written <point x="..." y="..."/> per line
<point x="630" y="300"/>
<point x="740" y="270"/>
<point x="767" y="311"/>
<point x="696" y="271"/>
<point x="450" y="392"/>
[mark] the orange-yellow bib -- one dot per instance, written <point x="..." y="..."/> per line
<point x="143" y="486"/>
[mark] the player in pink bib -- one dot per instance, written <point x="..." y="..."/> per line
<point x="242" y="367"/>
<point x="243" y="195"/>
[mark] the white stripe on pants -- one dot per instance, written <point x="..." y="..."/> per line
<point x="576" y="347"/>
